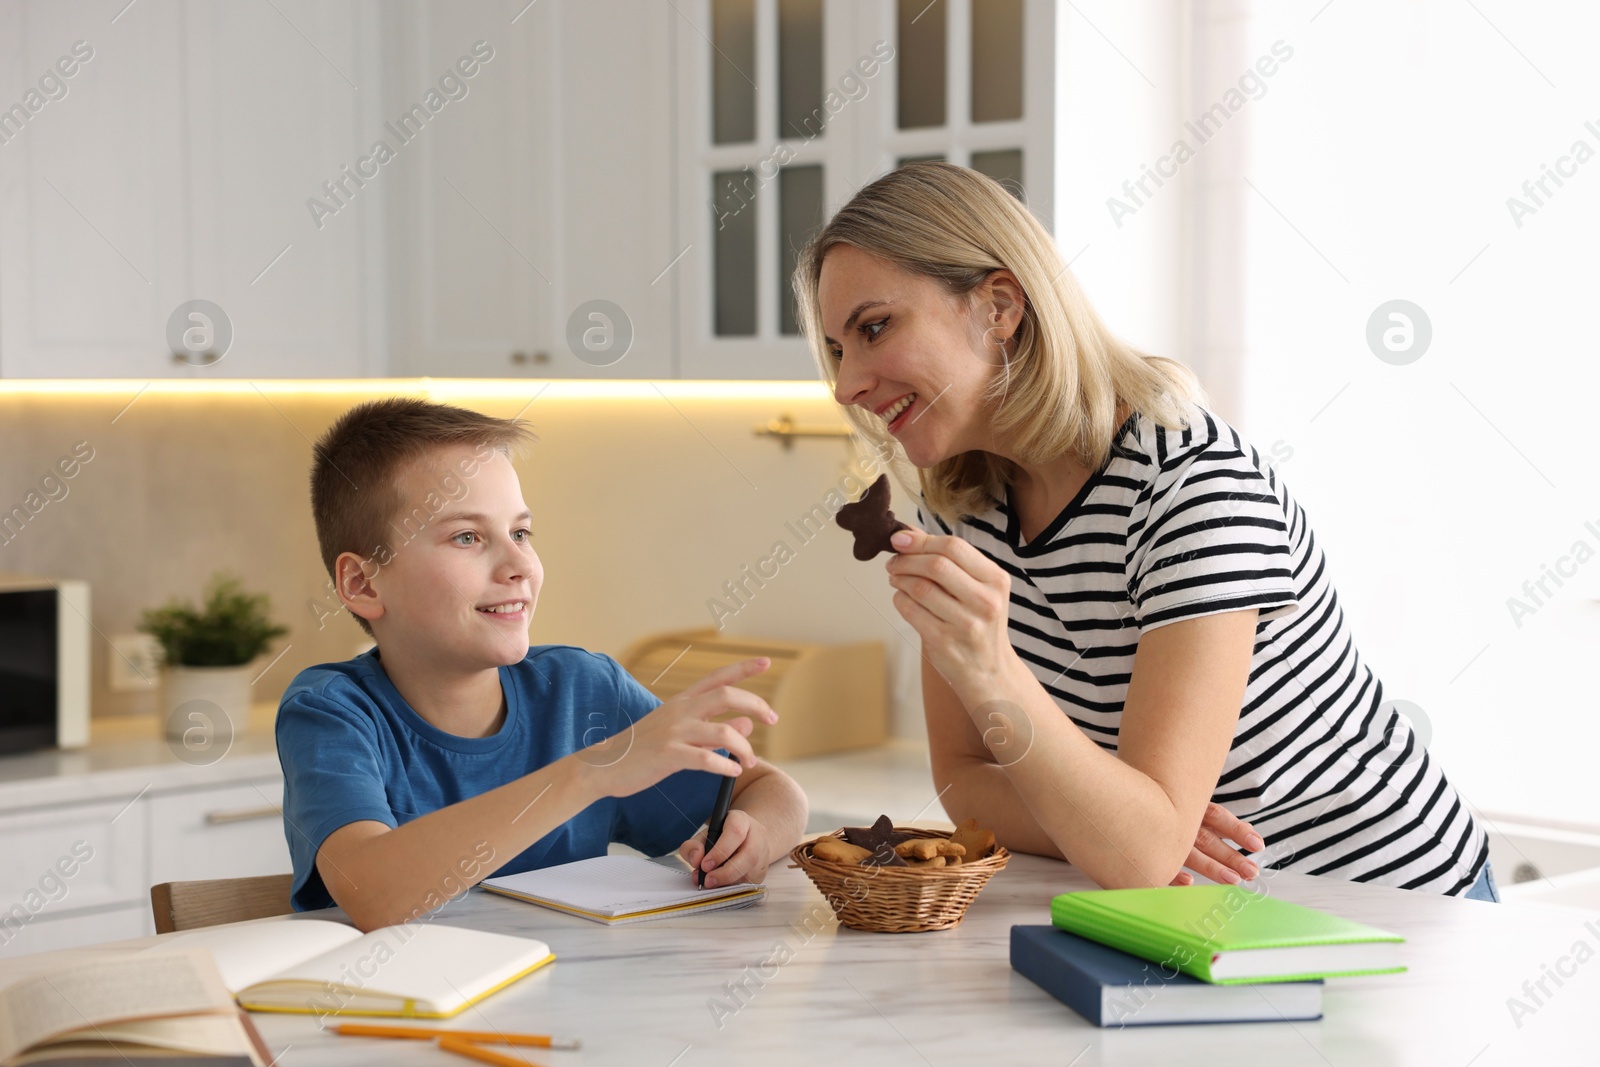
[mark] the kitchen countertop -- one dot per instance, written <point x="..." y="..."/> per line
<point x="128" y="755"/>
<point x="853" y="788"/>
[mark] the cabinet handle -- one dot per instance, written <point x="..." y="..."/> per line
<point x="521" y="358"/>
<point x="218" y="818"/>
<point x="785" y="429"/>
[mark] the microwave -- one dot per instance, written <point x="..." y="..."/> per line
<point x="44" y="663"/>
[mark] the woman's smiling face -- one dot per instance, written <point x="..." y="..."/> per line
<point x="908" y="352"/>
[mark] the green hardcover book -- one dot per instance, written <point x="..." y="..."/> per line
<point x="1227" y="934"/>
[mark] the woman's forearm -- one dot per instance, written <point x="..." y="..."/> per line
<point x="978" y="789"/>
<point x="1109" y="819"/>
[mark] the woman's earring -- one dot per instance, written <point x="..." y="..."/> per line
<point x="990" y="338"/>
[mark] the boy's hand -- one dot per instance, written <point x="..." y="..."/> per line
<point x="740" y="854"/>
<point x="679" y="734"/>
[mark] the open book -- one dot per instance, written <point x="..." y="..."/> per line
<point x="620" y="889"/>
<point x="317" y="967"/>
<point x="122" y="1007"/>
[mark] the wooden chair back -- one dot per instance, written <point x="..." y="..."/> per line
<point x="188" y="905"/>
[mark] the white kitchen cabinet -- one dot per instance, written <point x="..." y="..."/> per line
<point x="615" y="226"/>
<point x="71" y="858"/>
<point x="531" y="231"/>
<point x="281" y="100"/>
<point x="553" y="193"/>
<point x="92" y="248"/>
<point x="468" y="226"/>
<point x="177" y="166"/>
<point x="219" y="832"/>
<point x="80" y="928"/>
<point x="77" y="873"/>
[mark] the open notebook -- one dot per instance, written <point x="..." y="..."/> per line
<point x="621" y="889"/>
<point x="118" y="1007"/>
<point x="317" y="967"/>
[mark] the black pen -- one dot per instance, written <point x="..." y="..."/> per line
<point x="719" y="815"/>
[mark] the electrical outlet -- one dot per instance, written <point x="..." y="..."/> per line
<point x="135" y="662"/>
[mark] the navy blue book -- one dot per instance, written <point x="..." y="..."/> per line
<point x="1111" y="988"/>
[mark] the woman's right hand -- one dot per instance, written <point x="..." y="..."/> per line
<point x="680" y="735"/>
<point x="1212" y="857"/>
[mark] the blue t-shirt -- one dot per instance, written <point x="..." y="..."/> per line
<point x="352" y="749"/>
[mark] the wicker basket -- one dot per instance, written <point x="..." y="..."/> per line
<point x="898" y="900"/>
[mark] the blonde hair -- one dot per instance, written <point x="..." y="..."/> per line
<point x="1059" y="392"/>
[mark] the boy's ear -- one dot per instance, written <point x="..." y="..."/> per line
<point x="354" y="586"/>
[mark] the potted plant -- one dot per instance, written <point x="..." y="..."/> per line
<point x="207" y="651"/>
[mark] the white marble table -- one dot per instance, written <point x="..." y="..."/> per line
<point x="643" y="995"/>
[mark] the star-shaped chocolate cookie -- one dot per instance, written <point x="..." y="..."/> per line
<point x="878" y="839"/>
<point x="871" y="520"/>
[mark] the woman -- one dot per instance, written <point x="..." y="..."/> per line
<point x="1124" y="615"/>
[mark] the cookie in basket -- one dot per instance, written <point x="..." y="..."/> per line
<point x="894" y="880"/>
<point x="834" y="850"/>
<point x="975" y="843"/>
<point x="927" y="849"/>
<point x="882" y="845"/>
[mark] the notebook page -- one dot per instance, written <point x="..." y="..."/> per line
<point x="250" y="952"/>
<point x="441" y="965"/>
<point x="613" y="885"/>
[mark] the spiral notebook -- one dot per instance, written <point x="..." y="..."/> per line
<point x="621" y="889"/>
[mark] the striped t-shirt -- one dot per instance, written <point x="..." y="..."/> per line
<point x="1186" y="522"/>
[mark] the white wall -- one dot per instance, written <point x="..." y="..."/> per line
<point x="1376" y="165"/>
<point x="1439" y="487"/>
<point x="1118" y="96"/>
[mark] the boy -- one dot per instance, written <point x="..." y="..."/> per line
<point x="454" y="751"/>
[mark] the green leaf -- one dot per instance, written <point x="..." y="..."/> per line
<point x="230" y="628"/>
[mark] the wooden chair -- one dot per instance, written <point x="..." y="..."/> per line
<point x="187" y="905"/>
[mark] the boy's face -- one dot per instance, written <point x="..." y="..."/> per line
<point x="474" y="554"/>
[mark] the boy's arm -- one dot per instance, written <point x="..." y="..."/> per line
<point x="381" y="875"/>
<point x="766" y="819"/>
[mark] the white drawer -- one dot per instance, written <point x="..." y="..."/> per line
<point x="54" y="861"/>
<point x="47" y="933"/>
<point x="235" y="831"/>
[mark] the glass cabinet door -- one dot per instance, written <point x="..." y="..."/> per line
<point x="762" y="137"/>
<point x="789" y="106"/>
<point x="960" y="82"/>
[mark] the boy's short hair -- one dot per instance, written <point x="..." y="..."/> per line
<point x="357" y="466"/>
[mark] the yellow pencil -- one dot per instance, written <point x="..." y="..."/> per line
<point x="428" y="1033"/>
<point x="477" y="1052"/>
